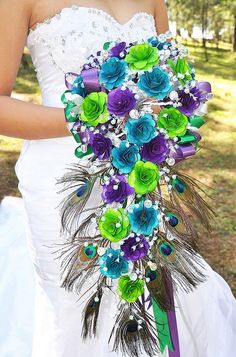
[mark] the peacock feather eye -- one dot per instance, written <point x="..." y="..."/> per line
<point x="166" y="249"/>
<point x="82" y="189"/>
<point x="151" y="274"/>
<point x="88" y="252"/>
<point x="179" y="185"/>
<point x="173" y="221"/>
<point x="132" y="326"/>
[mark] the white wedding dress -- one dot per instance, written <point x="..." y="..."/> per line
<point x="206" y="317"/>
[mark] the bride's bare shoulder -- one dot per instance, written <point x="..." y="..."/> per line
<point x="24" y="5"/>
<point x="41" y="9"/>
<point x="161" y="16"/>
<point x="16" y="10"/>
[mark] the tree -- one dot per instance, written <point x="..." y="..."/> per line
<point x="207" y="14"/>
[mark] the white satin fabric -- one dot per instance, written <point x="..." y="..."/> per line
<point x="17" y="281"/>
<point x="206" y="317"/>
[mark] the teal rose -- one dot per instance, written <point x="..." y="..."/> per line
<point x="112" y="73"/>
<point x="156" y="83"/>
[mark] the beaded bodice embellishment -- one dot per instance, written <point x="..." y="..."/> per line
<point x="62" y="43"/>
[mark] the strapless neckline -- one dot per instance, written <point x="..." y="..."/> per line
<point x="99" y="12"/>
<point x="64" y="41"/>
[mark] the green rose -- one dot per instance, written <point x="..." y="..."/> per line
<point x="114" y="224"/>
<point x="94" y="109"/>
<point x="142" y="57"/>
<point x="173" y="121"/>
<point x="181" y="69"/>
<point x="144" y="177"/>
<point x="130" y="290"/>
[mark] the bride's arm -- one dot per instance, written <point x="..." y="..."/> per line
<point x="161" y="16"/>
<point x="18" y="118"/>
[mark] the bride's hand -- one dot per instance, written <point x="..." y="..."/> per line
<point x="156" y="109"/>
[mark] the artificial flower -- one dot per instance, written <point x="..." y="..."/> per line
<point x="144" y="177"/>
<point x="142" y="130"/>
<point x="173" y="121"/>
<point x="155" y="150"/>
<point x="114" y="224"/>
<point x="121" y="102"/>
<point x="155" y="42"/>
<point x="112" y="73"/>
<point x="116" y="189"/>
<point x="182" y="69"/>
<point x="130" y="290"/>
<point x="78" y="86"/>
<point x="94" y="109"/>
<point x="142" y="57"/>
<point x="189" y="101"/>
<point x="113" y="264"/>
<point x="125" y="156"/>
<point x="143" y="220"/>
<point x="156" y="83"/>
<point x="101" y="146"/>
<point x="119" y="50"/>
<point x="135" y="248"/>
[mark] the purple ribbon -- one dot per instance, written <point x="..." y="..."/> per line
<point x="90" y="80"/>
<point x="183" y="151"/>
<point x="205" y="89"/>
<point x="171" y="316"/>
<point x="196" y="134"/>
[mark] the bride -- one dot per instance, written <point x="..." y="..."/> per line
<point x="60" y="35"/>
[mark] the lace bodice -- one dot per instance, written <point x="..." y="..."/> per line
<point x="63" y="42"/>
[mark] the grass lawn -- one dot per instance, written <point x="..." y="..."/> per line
<point x="215" y="164"/>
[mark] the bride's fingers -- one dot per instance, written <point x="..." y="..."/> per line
<point x="156" y="109"/>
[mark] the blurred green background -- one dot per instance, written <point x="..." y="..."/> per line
<point x="214" y="58"/>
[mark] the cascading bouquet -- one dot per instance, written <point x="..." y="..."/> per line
<point x="140" y="241"/>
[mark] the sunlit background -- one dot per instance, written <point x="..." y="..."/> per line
<point x="208" y="28"/>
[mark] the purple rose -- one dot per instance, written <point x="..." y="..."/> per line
<point x="118" y="50"/>
<point x="117" y="189"/>
<point x="101" y="146"/>
<point x="135" y="248"/>
<point x="189" y="101"/>
<point x="155" y="150"/>
<point x="120" y="102"/>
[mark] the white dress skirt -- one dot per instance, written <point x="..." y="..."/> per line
<point x="206" y="318"/>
